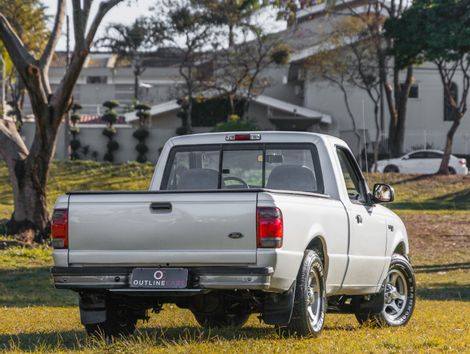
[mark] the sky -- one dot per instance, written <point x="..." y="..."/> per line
<point x="128" y="11"/>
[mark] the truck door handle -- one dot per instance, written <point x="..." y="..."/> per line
<point x="359" y="219"/>
<point x="160" y="207"/>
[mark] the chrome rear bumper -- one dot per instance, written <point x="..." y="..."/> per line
<point x="200" y="278"/>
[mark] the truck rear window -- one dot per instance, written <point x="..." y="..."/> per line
<point x="294" y="167"/>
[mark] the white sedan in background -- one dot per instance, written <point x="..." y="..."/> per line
<point x="423" y="162"/>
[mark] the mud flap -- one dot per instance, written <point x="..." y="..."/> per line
<point x="373" y="305"/>
<point x="277" y="309"/>
<point x="92" y="309"/>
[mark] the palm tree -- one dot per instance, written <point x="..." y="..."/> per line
<point x="129" y="42"/>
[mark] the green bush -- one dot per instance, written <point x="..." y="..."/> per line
<point x="75" y="144"/>
<point x="112" y="145"/>
<point x="141" y="134"/>
<point x="234" y="123"/>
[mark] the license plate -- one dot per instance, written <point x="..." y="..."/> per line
<point x="159" y="278"/>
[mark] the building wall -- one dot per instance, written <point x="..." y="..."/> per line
<point x="164" y="82"/>
<point x="425" y="118"/>
<point x="93" y="137"/>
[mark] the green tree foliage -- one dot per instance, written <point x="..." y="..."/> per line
<point x="29" y="20"/>
<point x="234" y="123"/>
<point x="438" y="31"/>
<point x="230" y="14"/>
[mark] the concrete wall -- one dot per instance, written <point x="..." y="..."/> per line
<point x="93" y="137"/>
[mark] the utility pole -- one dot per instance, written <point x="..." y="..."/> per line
<point x="67" y="117"/>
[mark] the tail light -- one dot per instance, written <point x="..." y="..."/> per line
<point x="270" y="228"/>
<point x="60" y="228"/>
<point x="463" y="162"/>
<point x="243" y="137"/>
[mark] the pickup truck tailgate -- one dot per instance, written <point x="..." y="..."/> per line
<point x="162" y="228"/>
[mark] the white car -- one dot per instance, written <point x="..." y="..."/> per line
<point x="423" y="162"/>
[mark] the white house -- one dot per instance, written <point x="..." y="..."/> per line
<point x="292" y="101"/>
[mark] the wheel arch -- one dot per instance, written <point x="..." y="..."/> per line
<point x="318" y="242"/>
<point x="400" y="249"/>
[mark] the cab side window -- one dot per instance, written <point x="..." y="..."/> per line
<point x="356" y="189"/>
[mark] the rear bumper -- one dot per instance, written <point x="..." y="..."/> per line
<point x="200" y="278"/>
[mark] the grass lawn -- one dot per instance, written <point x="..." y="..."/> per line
<point x="36" y="317"/>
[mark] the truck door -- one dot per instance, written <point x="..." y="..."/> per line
<point x="368" y="233"/>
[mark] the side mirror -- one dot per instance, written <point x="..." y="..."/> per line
<point x="383" y="193"/>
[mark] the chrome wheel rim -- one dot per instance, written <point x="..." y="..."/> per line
<point x="313" y="298"/>
<point x="396" y="294"/>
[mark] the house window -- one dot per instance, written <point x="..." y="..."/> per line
<point x="96" y="79"/>
<point x="454" y="91"/>
<point x="414" y="90"/>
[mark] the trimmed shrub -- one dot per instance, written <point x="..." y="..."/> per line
<point x="110" y="117"/>
<point x="142" y="133"/>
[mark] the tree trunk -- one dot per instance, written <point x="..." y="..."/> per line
<point x="231" y="104"/>
<point x="136" y="87"/>
<point x="189" y="121"/>
<point x="231" y="36"/>
<point x="398" y="108"/>
<point x="28" y="173"/>
<point x="444" y="167"/>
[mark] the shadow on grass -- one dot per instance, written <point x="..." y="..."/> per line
<point x="431" y="205"/>
<point x="24" y="287"/>
<point x="415" y="178"/>
<point x="434" y="268"/>
<point x="444" y="291"/>
<point x="158" y="336"/>
<point x="52" y="341"/>
<point x="458" y="198"/>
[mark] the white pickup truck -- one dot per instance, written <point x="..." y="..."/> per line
<point x="276" y="223"/>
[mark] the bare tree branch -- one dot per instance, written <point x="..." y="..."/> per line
<point x="79" y="55"/>
<point x="78" y="29"/>
<point x="102" y="11"/>
<point x="48" y="53"/>
<point x="15" y="47"/>
<point x="13" y="146"/>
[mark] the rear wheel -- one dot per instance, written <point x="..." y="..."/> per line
<point x="400" y="296"/>
<point x="308" y="315"/>
<point x="452" y="171"/>
<point x="119" y="323"/>
<point x="391" y="169"/>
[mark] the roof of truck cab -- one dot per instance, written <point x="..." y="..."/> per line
<point x="266" y="136"/>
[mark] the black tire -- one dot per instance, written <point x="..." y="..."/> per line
<point x="391" y="169"/>
<point x="221" y="320"/>
<point x="396" y="311"/>
<point x="310" y="305"/>
<point x="452" y="171"/>
<point x="119" y="323"/>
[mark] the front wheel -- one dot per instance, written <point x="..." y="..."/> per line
<point x="399" y="293"/>
<point x="308" y="315"/>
